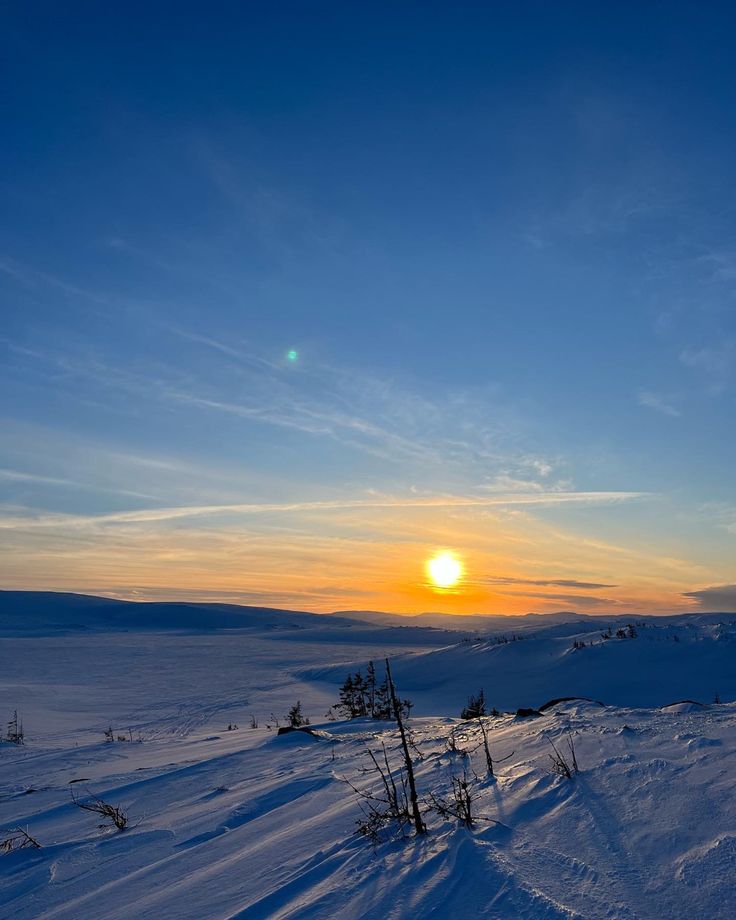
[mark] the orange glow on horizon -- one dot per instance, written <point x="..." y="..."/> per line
<point x="511" y="562"/>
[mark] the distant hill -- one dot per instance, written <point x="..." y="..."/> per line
<point x="49" y="611"/>
<point x="471" y="622"/>
<point x="54" y="612"/>
<point x="667" y="659"/>
<point x="43" y="613"/>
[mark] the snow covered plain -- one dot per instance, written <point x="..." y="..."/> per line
<point x="249" y="824"/>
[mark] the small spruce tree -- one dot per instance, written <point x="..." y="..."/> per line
<point x="476" y="706"/>
<point x="295" y="717"/>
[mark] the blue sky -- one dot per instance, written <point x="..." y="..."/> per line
<point x="501" y="238"/>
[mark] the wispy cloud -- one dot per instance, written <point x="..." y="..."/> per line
<point x="722" y="264"/>
<point x="575" y="600"/>
<point x="658" y="403"/>
<point x="169" y="514"/>
<point x="543" y="582"/>
<point x="715" y="363"/>
<point x="21" y="476"/>
<point x="369" y="414"/>
<point x="32" y="278"/>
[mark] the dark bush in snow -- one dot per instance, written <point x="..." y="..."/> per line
<point x="15" y="730"/>
<point x="364" y="697"/>
<point x="295" y="717"/>
<point x="476" y="706"/>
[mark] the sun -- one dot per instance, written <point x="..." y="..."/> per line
<point x="444" y="570"/>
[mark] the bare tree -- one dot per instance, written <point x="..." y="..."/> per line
<point x="113" y="813"/>
<point x="253" y="722"/>
<point x="487" y="750"/>
<point x="419" y="825"/>
<point x="17" y="839"/>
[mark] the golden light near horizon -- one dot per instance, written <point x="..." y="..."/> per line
<point x="444" y="570"/>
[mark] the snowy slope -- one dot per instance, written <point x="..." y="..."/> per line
<point x="668" y="660"/>
<point x="243" y="823"/>
<point x="251" y="825"/>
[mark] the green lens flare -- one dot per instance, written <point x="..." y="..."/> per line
<point x="292" y="354"/>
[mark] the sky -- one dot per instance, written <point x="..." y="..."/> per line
<point x="295" y="296"/>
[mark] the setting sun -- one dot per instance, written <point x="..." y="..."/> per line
<point x="444" y="570"/>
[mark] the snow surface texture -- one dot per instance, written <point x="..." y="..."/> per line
<point x="248" y="824"/>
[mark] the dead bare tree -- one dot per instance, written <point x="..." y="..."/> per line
<point x="113" y="813"/>
<point x="17" y="839"/>
<point x="562" y="765"/>
<point x="419" y="825"/>
<point x="487" y="750"/>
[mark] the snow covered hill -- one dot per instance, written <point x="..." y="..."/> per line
<point x="42" y="612"/>
<point x="668" y="659"/>
<point x="250" y="825"/>
<point x="665" y="662"/>
<point x="231" y="821"/>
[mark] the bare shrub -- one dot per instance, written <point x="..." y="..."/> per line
<point x="112" y="813"/>
<point x="452" y="745"/>
<point x="459" y="804"/>
<point x="389" y="805"/>
<point x="253" y="722"/>
<point x="17" y="839"/>
<point x="562" y="764"/>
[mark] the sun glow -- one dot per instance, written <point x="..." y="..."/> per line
<point x="444" y="570"/>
